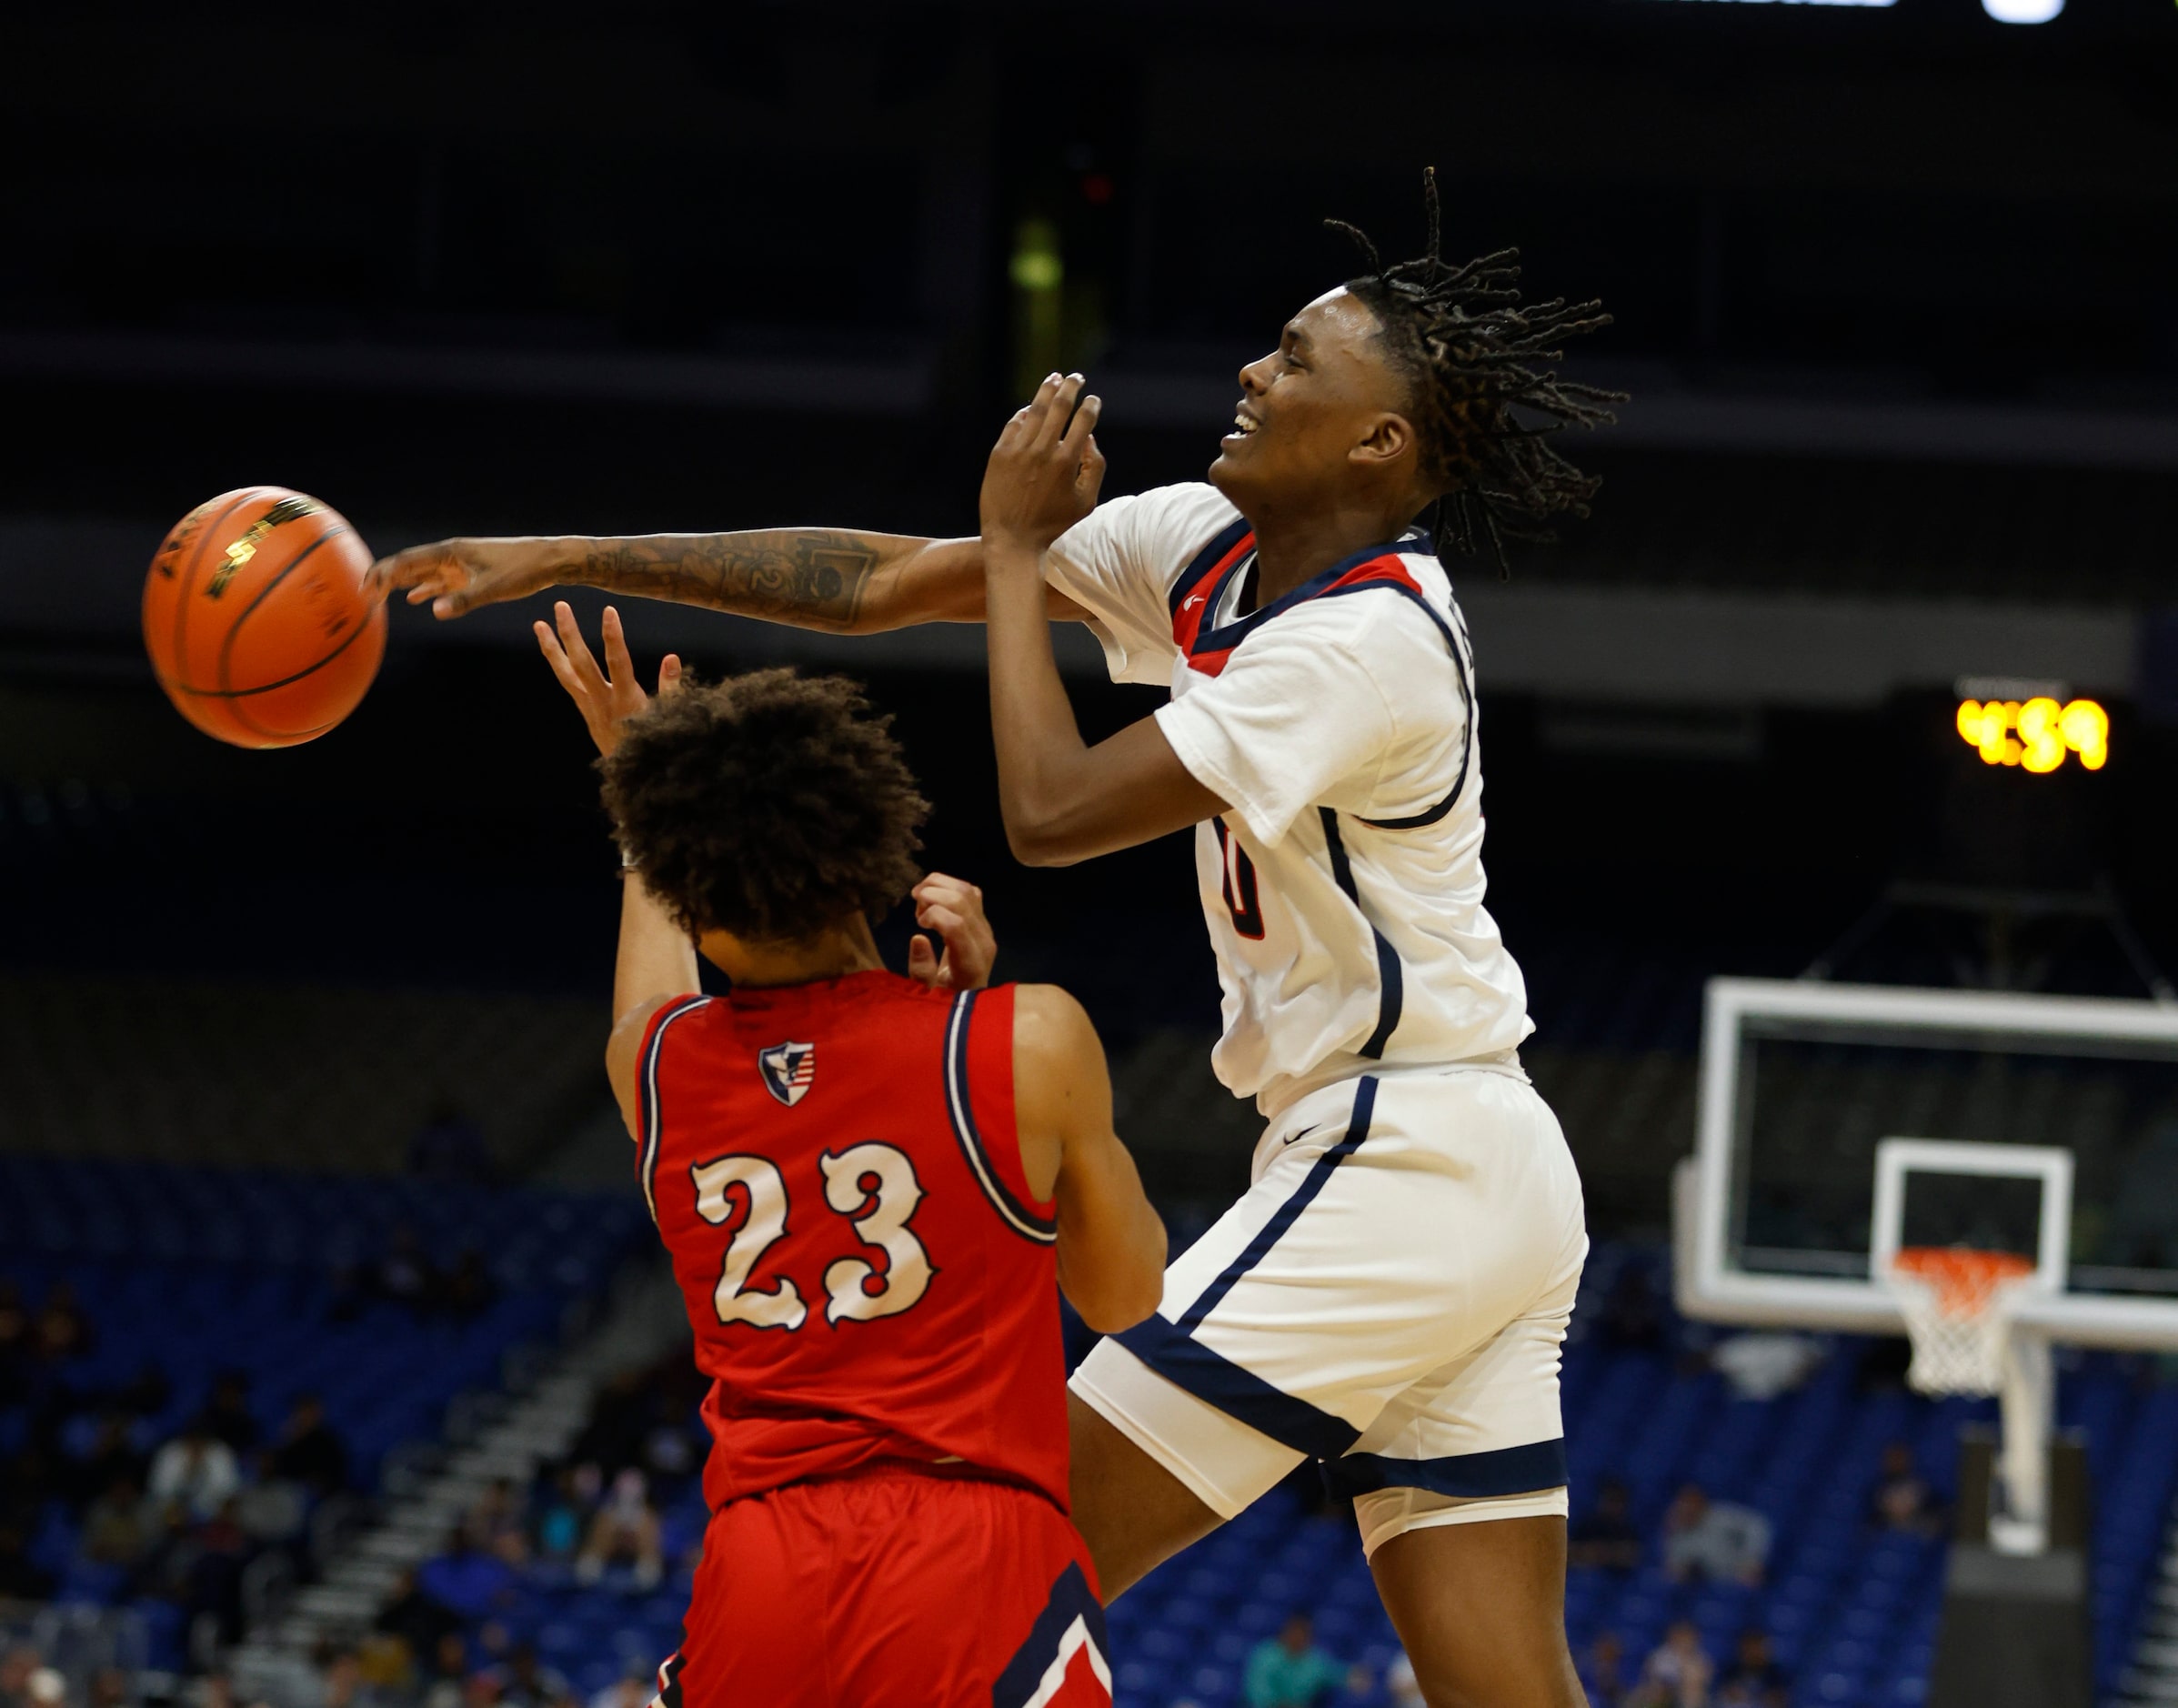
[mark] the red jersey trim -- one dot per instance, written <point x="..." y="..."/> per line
<point x="1207" y="648"/>
<point x="1016" y="1215"/>
<point x="647" y="1098"/>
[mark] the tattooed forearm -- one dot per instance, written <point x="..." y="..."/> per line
<point x="811" y="578"/>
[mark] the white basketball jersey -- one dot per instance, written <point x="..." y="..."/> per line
<point x="1344" y="888"/>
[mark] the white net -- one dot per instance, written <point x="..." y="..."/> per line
<point x="1958" y="1310"/>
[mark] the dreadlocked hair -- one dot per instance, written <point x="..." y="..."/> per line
<point x="1466" y="346"/>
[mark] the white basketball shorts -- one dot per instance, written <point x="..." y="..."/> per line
<point x="1390" y="1296"/>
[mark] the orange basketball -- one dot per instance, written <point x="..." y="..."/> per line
<point x="256" y="620"/>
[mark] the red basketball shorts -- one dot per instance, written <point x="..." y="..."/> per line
<point x="891" y="1590"/>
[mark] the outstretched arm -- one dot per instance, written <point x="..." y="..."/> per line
<point x="843" y="581"/>
<point x="655" y="961"/>
<point x="1063" y="800"/>
<point x="1111" y="1242"/>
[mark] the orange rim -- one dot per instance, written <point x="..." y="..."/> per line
<point x="1962" y="1279"/>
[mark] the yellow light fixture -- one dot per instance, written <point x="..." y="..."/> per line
<point x="2035" y="735"/>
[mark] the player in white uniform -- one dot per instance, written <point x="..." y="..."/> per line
<point x="1391" y="1294"/>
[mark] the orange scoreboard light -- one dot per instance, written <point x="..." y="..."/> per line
<point x="2036" y="735"/>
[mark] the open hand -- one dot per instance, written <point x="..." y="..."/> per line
<point x="459" y="575"/>
<point x="607" y="698"/>
<point x="954" y="909"/>
<point x="1045" y="471"/>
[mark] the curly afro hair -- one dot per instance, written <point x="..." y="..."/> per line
<point x="771" y="806"/>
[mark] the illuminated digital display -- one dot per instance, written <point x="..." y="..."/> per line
<point x="2036" y="734"/>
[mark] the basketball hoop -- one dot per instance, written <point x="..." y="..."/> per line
<point x="1958" y="1307"/>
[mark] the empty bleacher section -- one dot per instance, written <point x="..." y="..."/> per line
<point x="362" y="1291"/>
<point x="1613" y="1053"/>
<point x="284" y="1076"/>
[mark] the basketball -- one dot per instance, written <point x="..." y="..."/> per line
<point x="257" y="617"/>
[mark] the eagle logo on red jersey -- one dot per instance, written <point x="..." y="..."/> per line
<point x="787" y="1070"/>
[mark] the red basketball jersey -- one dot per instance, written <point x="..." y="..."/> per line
<point x="834" y="1171"/>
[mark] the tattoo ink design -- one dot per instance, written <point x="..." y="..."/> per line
<point x="817" y="580"/>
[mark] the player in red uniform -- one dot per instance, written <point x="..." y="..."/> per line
<point x="868" y="1184"/>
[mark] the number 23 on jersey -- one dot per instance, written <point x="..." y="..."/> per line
<point x="872" y="1185"/>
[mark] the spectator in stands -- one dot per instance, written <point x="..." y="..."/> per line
<point x="1715" y="1540"/>
<point x="117" y="1530"/>
<point x="526" y="1682"/>
<point x="1679" y="1672"/>
<point x="1903" y="1500"/>
<point x="466" y="1579"/>
<point x="195" y="1473"/>
<point x="109" y="1687"/>
<point x="43" y="1687"/>
<point x="16" y="1668"/>
<point x="343" y="1685"/>
<point x="64" y="1331"/>
<point x="495" y="1524"/>
<point x="1754" y="1680"/>
<point x="1603" y="1671"/>
<point x="449" y="1673"/>
<point x="625" y="1530"/>
<point x="449" y="1147"/>
<point x="20" y="1578"/>
<point x="309" y="1451"/>
<point x="1289" y="1671"/>
<point x="418" y="1622"/>
<point x="213" y="1581"/>
<point x="228" y="1415"/>
<point x="564" y="1512"/>
<point x="1606" y="1539"/>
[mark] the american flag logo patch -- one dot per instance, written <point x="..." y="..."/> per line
<point x="787" y="1070"/>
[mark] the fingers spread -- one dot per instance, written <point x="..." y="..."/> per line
<point x="618" y="665"/>
<point x="548" y="643"/>
<point x="578" y="649"/>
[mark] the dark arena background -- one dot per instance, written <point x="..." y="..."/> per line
<point x="337" y="1367"/>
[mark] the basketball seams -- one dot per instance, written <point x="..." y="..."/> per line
<point x="360" y="630"/>
<point x="351" y="679"/>
<point x="189" y="581"/>
<point x="226" y="689"/>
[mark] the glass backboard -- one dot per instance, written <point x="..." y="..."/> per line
<point x="1801" y="1084"/>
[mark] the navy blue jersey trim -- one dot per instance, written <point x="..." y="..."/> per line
<point x="1392" y="999"/>
<point x="1238" y="1393"/>
<point x="1467" y="701"/>
<point x="1209" y="639"/>
<point x="1286" y="1213"/>
<point x="1392" y="982"/>
<point x="669" y="1680"/>
<point x="1069" y="1599"/>
<point x="1466" y="1476"/>
<point x="1042" y="1229"/>
<point x="648" y="1096"/>
<point x="1206" y="560"/>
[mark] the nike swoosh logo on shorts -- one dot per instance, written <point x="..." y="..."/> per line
<point x="1304" y="1133"/>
